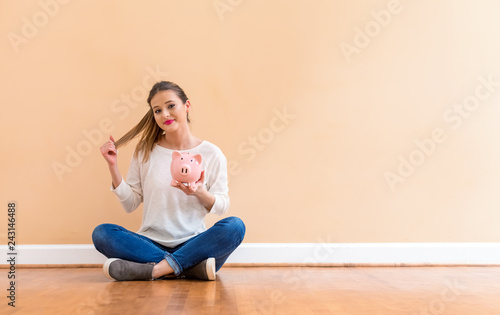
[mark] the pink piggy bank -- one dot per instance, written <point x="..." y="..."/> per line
<point x="185" y="168"/>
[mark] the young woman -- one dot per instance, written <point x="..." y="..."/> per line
<point x="172" y="240"/>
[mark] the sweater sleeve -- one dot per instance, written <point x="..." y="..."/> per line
<point x="129" y="192"/>
<point x="218" y="186"/>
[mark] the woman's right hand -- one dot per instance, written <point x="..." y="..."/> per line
<point x="109" y="152"/>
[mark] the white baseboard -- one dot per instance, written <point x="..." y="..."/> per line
<point x="292" y="253"/>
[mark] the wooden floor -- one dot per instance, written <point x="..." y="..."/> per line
<point x="264" y="290"/>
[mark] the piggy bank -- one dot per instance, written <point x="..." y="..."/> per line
<point x="185" y="168"/>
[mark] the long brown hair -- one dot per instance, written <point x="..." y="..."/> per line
<point x="147" y="127"/>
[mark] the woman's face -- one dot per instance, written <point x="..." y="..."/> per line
<point x="169" y="111"/>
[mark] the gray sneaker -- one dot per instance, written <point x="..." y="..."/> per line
<point x="124" y="270"/>
<point x="204" y="270"/>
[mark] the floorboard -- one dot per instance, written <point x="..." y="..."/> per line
<point x="264" y="290"/>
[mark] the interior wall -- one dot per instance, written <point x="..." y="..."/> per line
<point x="343" y="122"/>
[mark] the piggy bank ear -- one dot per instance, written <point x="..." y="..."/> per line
<point x="176" y="154"/>
<point x="198" y="158"/>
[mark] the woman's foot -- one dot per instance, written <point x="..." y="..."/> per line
<point x="204" y="270"/>
<point x="124" y="270"/>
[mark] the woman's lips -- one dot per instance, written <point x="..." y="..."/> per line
<point x="168" y="122"/>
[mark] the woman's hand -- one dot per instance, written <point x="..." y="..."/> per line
<point x="199" y="191"/>
<point x="191" y="190"/>
<point x="109" y="152"/>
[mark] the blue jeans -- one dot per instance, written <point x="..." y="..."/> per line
<point x="219" y="241"/>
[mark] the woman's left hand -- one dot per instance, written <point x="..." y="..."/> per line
<point x="191" y="190"/>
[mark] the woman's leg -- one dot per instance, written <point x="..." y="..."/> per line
<point x="218" y="242"/>
<point x="114" y="241"/>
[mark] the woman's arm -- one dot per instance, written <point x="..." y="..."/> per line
<point x="199" y="191"/>
<point x="110" y="154"/>
<point x="216" y="199"/>
<point x="206" y="198"/>
<point x="116" y="177"/>
<point x="129" y="193"/>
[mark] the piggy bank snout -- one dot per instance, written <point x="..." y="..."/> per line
<point x="185" y="169"/>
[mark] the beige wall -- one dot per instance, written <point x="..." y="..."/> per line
<point x="354" y="106"/>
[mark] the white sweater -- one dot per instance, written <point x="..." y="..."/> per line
<point x="170" y="216"/>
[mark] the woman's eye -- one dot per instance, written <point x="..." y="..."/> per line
<point x="171" y="106"/>
<point x="157" y="111"/>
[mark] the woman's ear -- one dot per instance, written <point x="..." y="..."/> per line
<point x="188" y="105"/>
